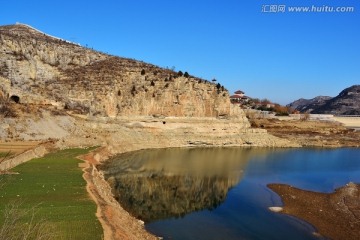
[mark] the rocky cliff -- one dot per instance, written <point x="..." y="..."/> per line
<point x="41" y="69"/>
<point x="85" y="98"/>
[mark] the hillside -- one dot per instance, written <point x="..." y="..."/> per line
<point x="346" y="103"/>
<point x="308" y="105"/>
<point x="36" y="68"/>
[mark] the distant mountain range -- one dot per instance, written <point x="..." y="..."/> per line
<point x="346" y="103"/>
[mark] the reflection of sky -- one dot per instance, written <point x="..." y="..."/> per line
<point x="317" y="170"/>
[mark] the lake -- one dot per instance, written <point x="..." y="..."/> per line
<point x="221" y="193"/>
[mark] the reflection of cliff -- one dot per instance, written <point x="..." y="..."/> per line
<point x="163" y="183"/>
<point x="159" y="196"/>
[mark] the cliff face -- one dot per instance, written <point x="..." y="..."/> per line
<point x="125" y="104"/>
<point x="42" y="69"/>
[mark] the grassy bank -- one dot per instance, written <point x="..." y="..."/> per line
<point x="54" y="184"/>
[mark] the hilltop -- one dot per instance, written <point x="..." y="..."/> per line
<point x="346" y="103"/>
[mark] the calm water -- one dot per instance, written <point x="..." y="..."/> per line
<point x="221" y="193"/>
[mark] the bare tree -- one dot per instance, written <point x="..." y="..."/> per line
<point x="19" y="223"/>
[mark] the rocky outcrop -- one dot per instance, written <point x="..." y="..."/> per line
<point x="38" y="68"/>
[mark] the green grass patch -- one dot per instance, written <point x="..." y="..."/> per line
<point x="54" y="185"/>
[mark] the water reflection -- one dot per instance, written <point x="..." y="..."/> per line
<point x="164" y="183"/>
<point x="158" y="185"/>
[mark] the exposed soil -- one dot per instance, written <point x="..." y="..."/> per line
<point x="335" y="215"/>
<point x="310" y="133"/>
<point x="116" y="222"/>
<point x="16" y="147"/>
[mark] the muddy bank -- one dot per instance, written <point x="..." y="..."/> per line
<point x="116" y="222"/>
<point x="335" y="215"/>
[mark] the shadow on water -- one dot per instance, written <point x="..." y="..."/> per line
<point x="221" y="193"/>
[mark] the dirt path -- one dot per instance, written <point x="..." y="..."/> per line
<point x="116" y="222"/>
<point x="335" y="215"/>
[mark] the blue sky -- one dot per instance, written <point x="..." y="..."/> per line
<point x="281" y="56"/>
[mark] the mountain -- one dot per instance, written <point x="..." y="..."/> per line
<point x="36" y="68"/>
<point x="346" y="103"/>
<point x="308" y="105"/>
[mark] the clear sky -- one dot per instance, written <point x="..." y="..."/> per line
<point x="253" y="45"/>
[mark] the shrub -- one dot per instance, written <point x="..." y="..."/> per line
<point x="305" y="116"/>
<point x="5" y="108"/>
<point x="133" y="90"/>
<point x="282" y="114"/>
<point x="143" y="72"/>
<point x="186" y="74"/>
<point x="180" y="73"/>
<point x="13" y="226"/>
